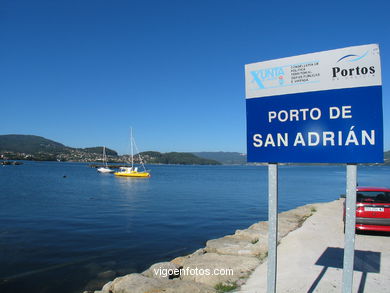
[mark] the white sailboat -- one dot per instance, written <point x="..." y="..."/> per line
<point x="105" y="168"/>
<point x="133" y="171"/>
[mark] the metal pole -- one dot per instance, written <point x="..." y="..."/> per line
<point x="350" y="220"/>
<point x="272" y="226"/>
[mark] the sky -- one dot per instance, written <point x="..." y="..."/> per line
<point x="82" y="72"/>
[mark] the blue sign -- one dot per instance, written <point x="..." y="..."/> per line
<point x="324" y="107"/>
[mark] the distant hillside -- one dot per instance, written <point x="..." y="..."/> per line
<point x="223" y="157"/>
<point x="387" y="158"/>
<point x="176" y="158"/>
<point x="239" y="158"/>
<point x="30" y="144"/>
<point x="32" y="147"/>
<point x="99" y="150"/>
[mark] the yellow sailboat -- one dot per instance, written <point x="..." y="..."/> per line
<point x="133" y="171"/>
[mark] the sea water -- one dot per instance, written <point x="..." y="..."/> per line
<point x="66" y="228"/>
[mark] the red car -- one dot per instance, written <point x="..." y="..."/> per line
<point x="373" y="209"/>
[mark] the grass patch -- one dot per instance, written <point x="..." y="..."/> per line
<point x="262" y="256"/>
<point x="225" y="287"/>
<point x="304" y="218"/>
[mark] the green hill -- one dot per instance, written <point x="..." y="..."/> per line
<point x="32" y="147"/>
<point x="387" y="158"/>
<point x="99" y="150"/>
<point x="176" y="158"/>
<point x="30" y="144"/>
<point x="223" y="157"/>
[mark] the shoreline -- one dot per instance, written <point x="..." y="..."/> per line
<point x="96" y="164"/>
<point x="239" y="254"/>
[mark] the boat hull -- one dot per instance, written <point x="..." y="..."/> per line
<point x="105" y="170"/>
<point x="133" y="174"/>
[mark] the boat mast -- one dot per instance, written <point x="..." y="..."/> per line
<point x="131" y="145"/>
<point x="104" y="157"/>
<point x="139" y="155"/>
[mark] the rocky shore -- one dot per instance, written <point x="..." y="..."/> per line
<point x="223" y="265"/>
<point x="5" y="163"/>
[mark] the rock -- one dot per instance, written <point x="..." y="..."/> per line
<point x="251" y="235"/>
<point x="133" y="283"/>
<point x="293" y="219"/>
<point x="162" y="270"/>
<point x="198" y="252"/>
<point x="263" y="225"/>
<point x="106" y="288"/>
<point x="178" y="261"/>
<point x="136" y="283"/>
<point x="180" y="286"/>
<point x="201" y="268"/>
<point x="231" y="245"/>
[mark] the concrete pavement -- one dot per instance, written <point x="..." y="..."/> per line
<point x="310" y="259"/>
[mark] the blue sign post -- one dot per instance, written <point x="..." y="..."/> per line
<point x="323" y="107"/>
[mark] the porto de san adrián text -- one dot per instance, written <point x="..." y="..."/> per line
<point x="349" y="137"/>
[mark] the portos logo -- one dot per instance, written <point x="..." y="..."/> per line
<point x="354" y="70"/>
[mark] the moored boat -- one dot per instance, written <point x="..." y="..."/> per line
<point x="133" y="171"/>
<point x="105" y="168"/>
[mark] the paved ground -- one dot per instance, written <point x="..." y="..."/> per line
<point x="310" y="259"/>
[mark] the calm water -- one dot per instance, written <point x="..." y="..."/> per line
<point x="74" y="233"/>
